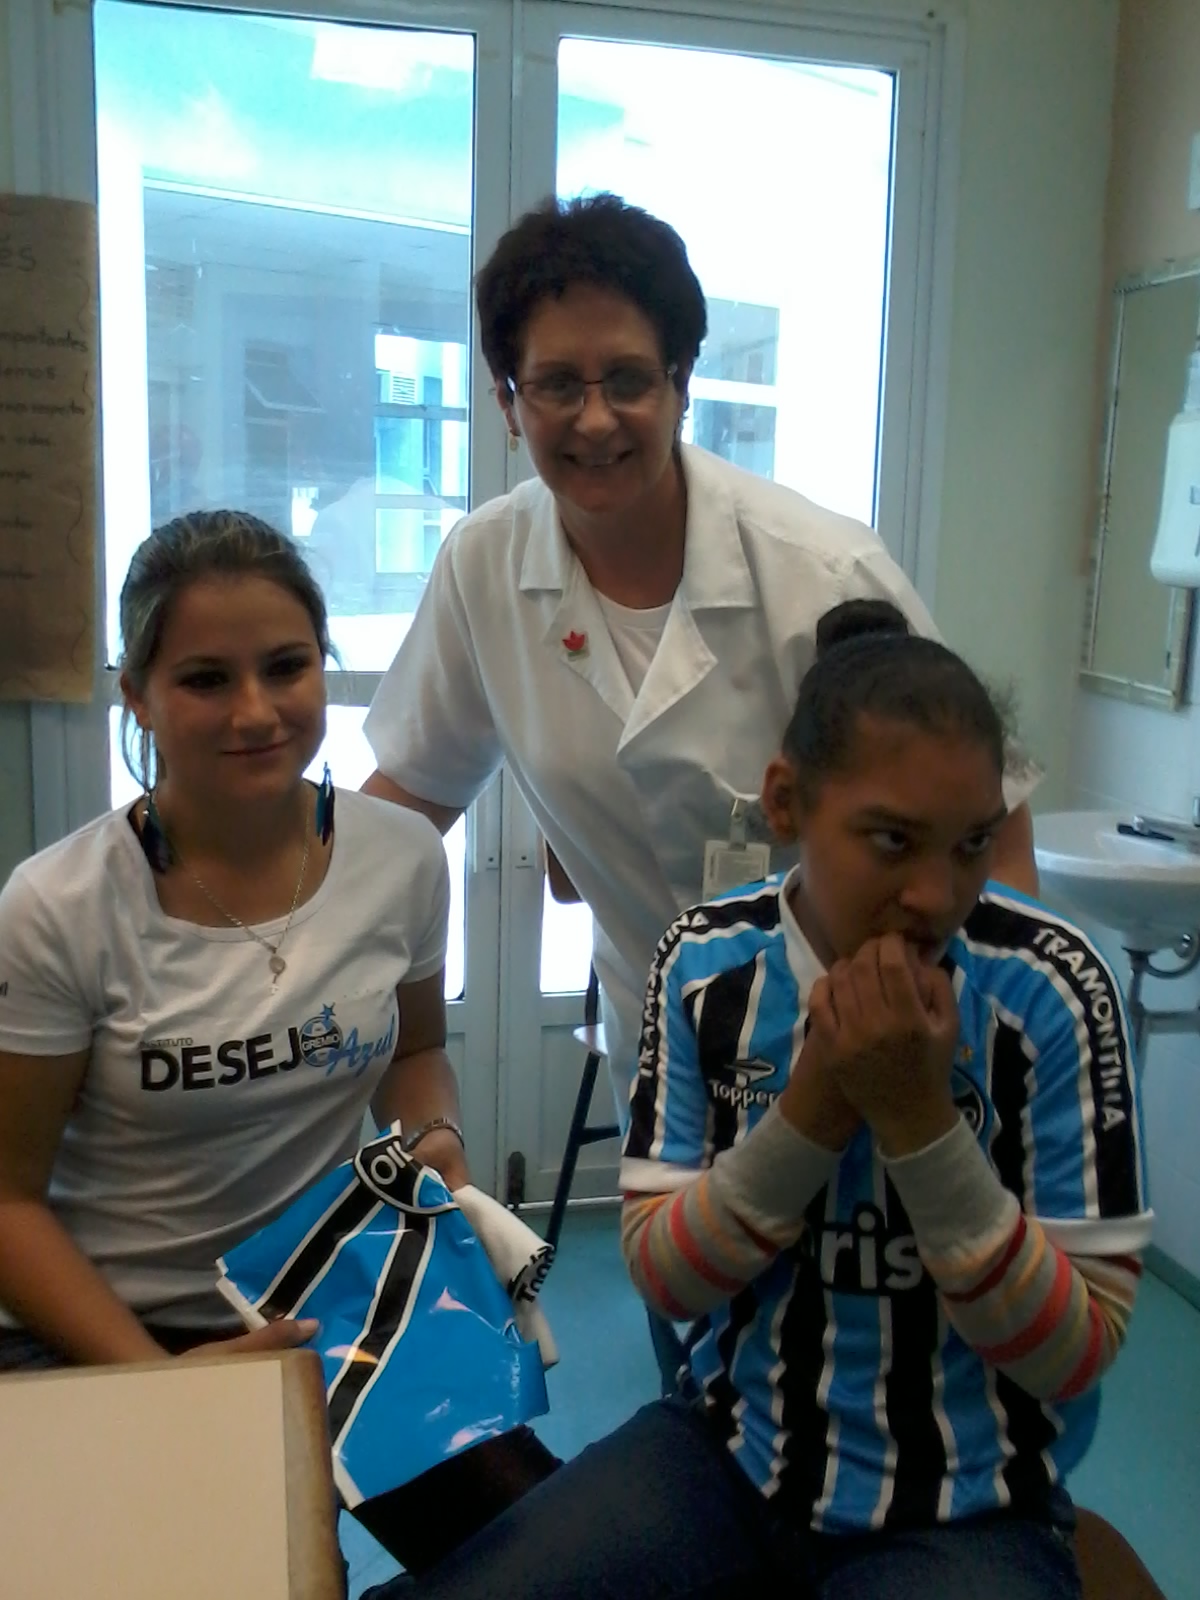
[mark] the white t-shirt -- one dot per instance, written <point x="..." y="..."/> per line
<point x="210" y="1102"/>
<point x="635" y="635"/>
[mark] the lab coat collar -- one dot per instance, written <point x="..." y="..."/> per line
<point x="682" y="661"/>
<point x="716" y="574"/>
<point x="548" y="561"/>
<point x="579" y="636"/>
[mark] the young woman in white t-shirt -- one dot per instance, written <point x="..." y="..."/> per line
<point x="201" y="995"/>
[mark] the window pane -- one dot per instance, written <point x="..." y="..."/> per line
<point x="351" y="761"/>
<point x="783" y="200"/>
<point x="744" y="435"/>
<point x="742" y="343"/>
<point x="566" y="946"/>
<point x="787" y="384"/>
<point x="285" y="224"/>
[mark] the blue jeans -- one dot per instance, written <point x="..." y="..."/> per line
<point x="669" y="1351"/>
<point x="660" y="1511"/>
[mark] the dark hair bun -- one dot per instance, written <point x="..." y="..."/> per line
<point x="854" y="619"/>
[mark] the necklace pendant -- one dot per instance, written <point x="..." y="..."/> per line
<point x="277" y="964"/>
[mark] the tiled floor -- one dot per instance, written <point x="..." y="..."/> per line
<point x="1143" y="1473"/>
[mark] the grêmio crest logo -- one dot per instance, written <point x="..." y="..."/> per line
<point x="318" y="1042"/>
<point x="968" y="1101"/>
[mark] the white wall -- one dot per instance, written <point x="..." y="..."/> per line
<point x="1028" y="275"/>
<point x="1125" y="755"/>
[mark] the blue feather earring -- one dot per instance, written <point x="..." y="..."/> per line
<point x="152" y="836"/>
<point x="325" y="798"/>
<point x="156" y="847"/>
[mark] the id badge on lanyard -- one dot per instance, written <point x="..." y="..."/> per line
<point x="729" y="863"/>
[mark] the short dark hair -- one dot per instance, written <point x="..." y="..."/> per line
<point x="598" y="240"/>
<point x="868" y="663"/>
<point x="200" y="544"/>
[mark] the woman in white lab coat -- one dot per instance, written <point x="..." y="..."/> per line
<point x="628" y="629"/>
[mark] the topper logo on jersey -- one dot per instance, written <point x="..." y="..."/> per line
<point x="399" y="1178"/>
<point x="738" y="1084"/>
<point x="864" y="1256"/>
<point x="181" y="1063"/>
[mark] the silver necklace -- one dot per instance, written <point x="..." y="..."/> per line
<point x="275" y="961"/>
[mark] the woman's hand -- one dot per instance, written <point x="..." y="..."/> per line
<point x="886" y="1027"/>
<point x="286" y="1334"/>
<point x="813" y="1102"/>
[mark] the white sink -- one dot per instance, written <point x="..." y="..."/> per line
<point x="1146" y="889"/>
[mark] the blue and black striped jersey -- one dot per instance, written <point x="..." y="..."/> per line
<point x="835" y="1376"/>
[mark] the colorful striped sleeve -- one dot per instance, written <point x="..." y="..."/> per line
<point x="692" y="1248"/>
<point x="1052" y="1321"/>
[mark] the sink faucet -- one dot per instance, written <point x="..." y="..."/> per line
<point x="1172" y="828"/>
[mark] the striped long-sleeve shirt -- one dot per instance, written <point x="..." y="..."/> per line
<point x="891" y="1340"/>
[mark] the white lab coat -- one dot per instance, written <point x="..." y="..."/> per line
<point x="625" y="789"/>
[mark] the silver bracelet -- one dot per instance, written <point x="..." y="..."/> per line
<point x="410" y="1141"/>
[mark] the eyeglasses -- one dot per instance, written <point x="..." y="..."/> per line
<point x="563" y="393"/>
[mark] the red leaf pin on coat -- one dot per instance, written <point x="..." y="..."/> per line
<point x="575" y="643"/>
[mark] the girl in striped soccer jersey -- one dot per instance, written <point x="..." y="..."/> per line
<point x="885" y="1150"/>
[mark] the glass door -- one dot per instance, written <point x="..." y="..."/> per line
<point x="287" y="226"/>
<point x="777" y="159"/>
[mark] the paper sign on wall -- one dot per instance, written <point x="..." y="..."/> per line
<point x="48" y="383"/>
